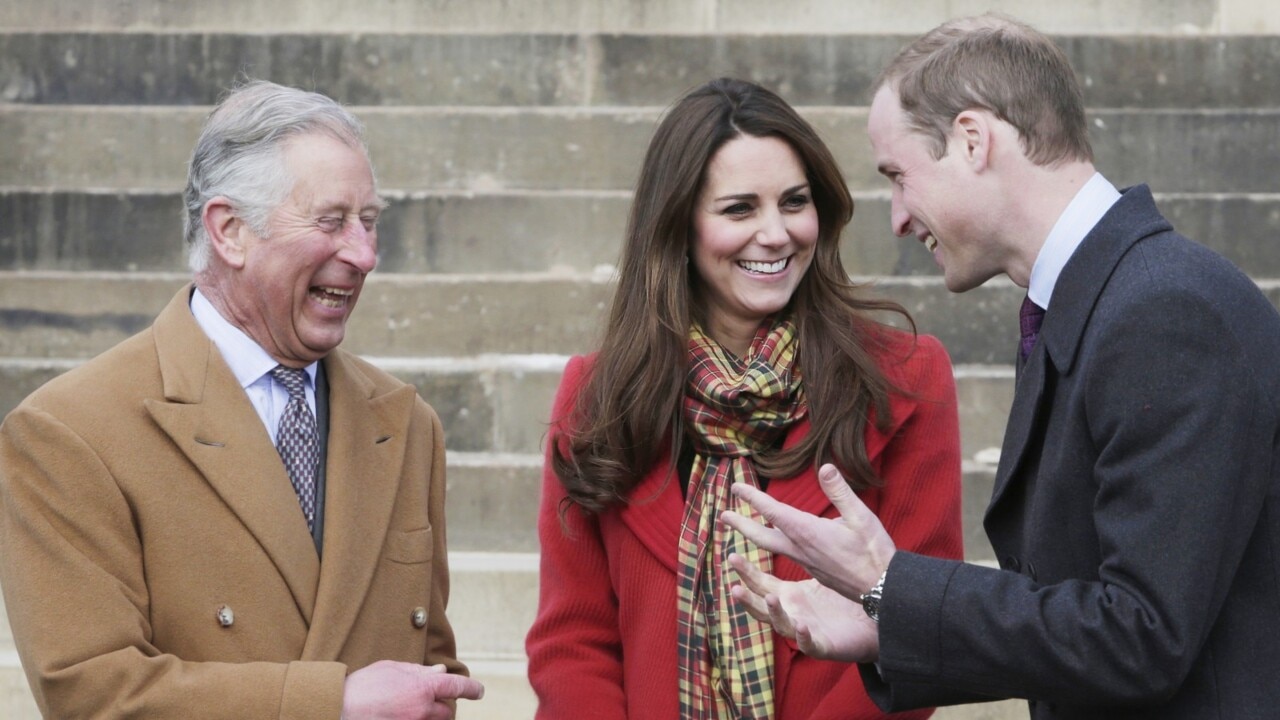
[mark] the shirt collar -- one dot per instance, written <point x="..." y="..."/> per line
<point x="1091" y="202"/>
<point x="246" y="358"/>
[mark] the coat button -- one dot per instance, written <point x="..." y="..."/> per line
<point x="419" y="617"/>
<point x="1012" y="563"/>
<point x="226" y="617"/>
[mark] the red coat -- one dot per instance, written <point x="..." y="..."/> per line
<point x="603" y="645"/>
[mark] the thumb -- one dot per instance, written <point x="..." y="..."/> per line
<point x="839" y="492"/>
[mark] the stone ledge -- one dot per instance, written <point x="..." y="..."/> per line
<point x="698" y="16"/>
<point x="575" y="231"/>
<point x="480" y="150"/>
<point x="551" y="69"/>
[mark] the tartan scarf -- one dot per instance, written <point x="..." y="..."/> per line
<point x="734" y="409"/>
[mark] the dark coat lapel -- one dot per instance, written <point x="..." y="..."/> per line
<point x="1133" y="217"/>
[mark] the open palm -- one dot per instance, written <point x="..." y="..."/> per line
<point x="824" y="623"/>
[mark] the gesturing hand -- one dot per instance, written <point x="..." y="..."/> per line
<point x="824" y="623"/>
<point x="847" y="555"/>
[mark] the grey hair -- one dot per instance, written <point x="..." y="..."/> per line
<point x="239" y="155"/>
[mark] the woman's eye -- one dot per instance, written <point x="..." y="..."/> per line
<point x="797" y="202"/>
<point x="737" y="209"/>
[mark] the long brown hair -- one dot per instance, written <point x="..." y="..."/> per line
<point x="630" y="403"/>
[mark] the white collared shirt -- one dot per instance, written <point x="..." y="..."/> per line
<point x="250" y="364"/>
<point x="1091" y="202"/>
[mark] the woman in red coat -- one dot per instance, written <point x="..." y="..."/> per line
<point x="737" y="351"/>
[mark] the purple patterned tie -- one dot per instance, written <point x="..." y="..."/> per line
<point x="1029" y="319"/>
<point x="296" y="440"/>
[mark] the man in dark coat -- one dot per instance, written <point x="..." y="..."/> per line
<point x="1136" y="511"/>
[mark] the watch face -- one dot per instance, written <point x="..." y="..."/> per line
<point x="871" y="604"/>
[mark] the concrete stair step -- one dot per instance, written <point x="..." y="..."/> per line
<point x="78" y="315"/>
<point x="542" y="231"/>
<point x="507" y="695"/>
<point x="655" y="16"/>
<point x="488" y="150"/>
<point x="400" y="68"/>
<point x="16" y="702"/>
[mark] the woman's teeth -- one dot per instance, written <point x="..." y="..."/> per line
<point x="764" y="268"/>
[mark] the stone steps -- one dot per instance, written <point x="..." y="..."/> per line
<point x="419" y="69"/>
<point x="507" y="137"/>
<point x="653" y="16"/>
<point x="78" y="315"/>
<point x="488" y="150"/>
<point x="559" y="231"/>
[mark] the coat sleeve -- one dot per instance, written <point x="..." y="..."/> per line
<point x="75" y="587"/>
<point x="1181" y="457"/>
<point x="919" y="501"/>
<point x="574" y="646"/>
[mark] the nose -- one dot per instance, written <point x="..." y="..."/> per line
<point x="360" y="247"/>
<point x="773" y="231"/>
<point x="899" y="218"/>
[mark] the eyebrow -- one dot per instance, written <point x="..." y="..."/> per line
<point x="753" y="196"/>
<point x="378" y="205"/>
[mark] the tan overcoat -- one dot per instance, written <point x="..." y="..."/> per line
<point x="142" y="505"/>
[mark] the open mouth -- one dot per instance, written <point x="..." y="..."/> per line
<point x="331" y="297"/>
<point x="765" y="268"/>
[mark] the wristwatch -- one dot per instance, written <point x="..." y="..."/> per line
<point x="871" y="599"/>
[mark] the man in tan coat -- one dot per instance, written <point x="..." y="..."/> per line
<point x="226" y="516"/>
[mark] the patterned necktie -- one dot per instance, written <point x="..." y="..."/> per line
<point x="297" y="441"/>
<point x="1029" y="319"/>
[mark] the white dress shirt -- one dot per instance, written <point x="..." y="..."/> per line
<point x="1091" y="202"/>
<point x="250" y="364"/>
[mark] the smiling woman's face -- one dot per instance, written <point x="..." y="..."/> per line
<point x="755" y="228"/>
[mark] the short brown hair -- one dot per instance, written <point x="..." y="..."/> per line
<point x="999" y="64"/>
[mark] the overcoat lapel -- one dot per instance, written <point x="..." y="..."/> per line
<point x="1028" y="401"/>
<point x="210" y="419"/>
<point x="367" y="442"/>
<point x="1085" y="276"/>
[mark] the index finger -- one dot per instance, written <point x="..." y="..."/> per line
<point x="760" y="535"/>
<point x="778" y="514"/>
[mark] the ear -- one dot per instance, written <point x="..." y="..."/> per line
<point x="228" y="234"/>
<point x="971" y="136"/>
